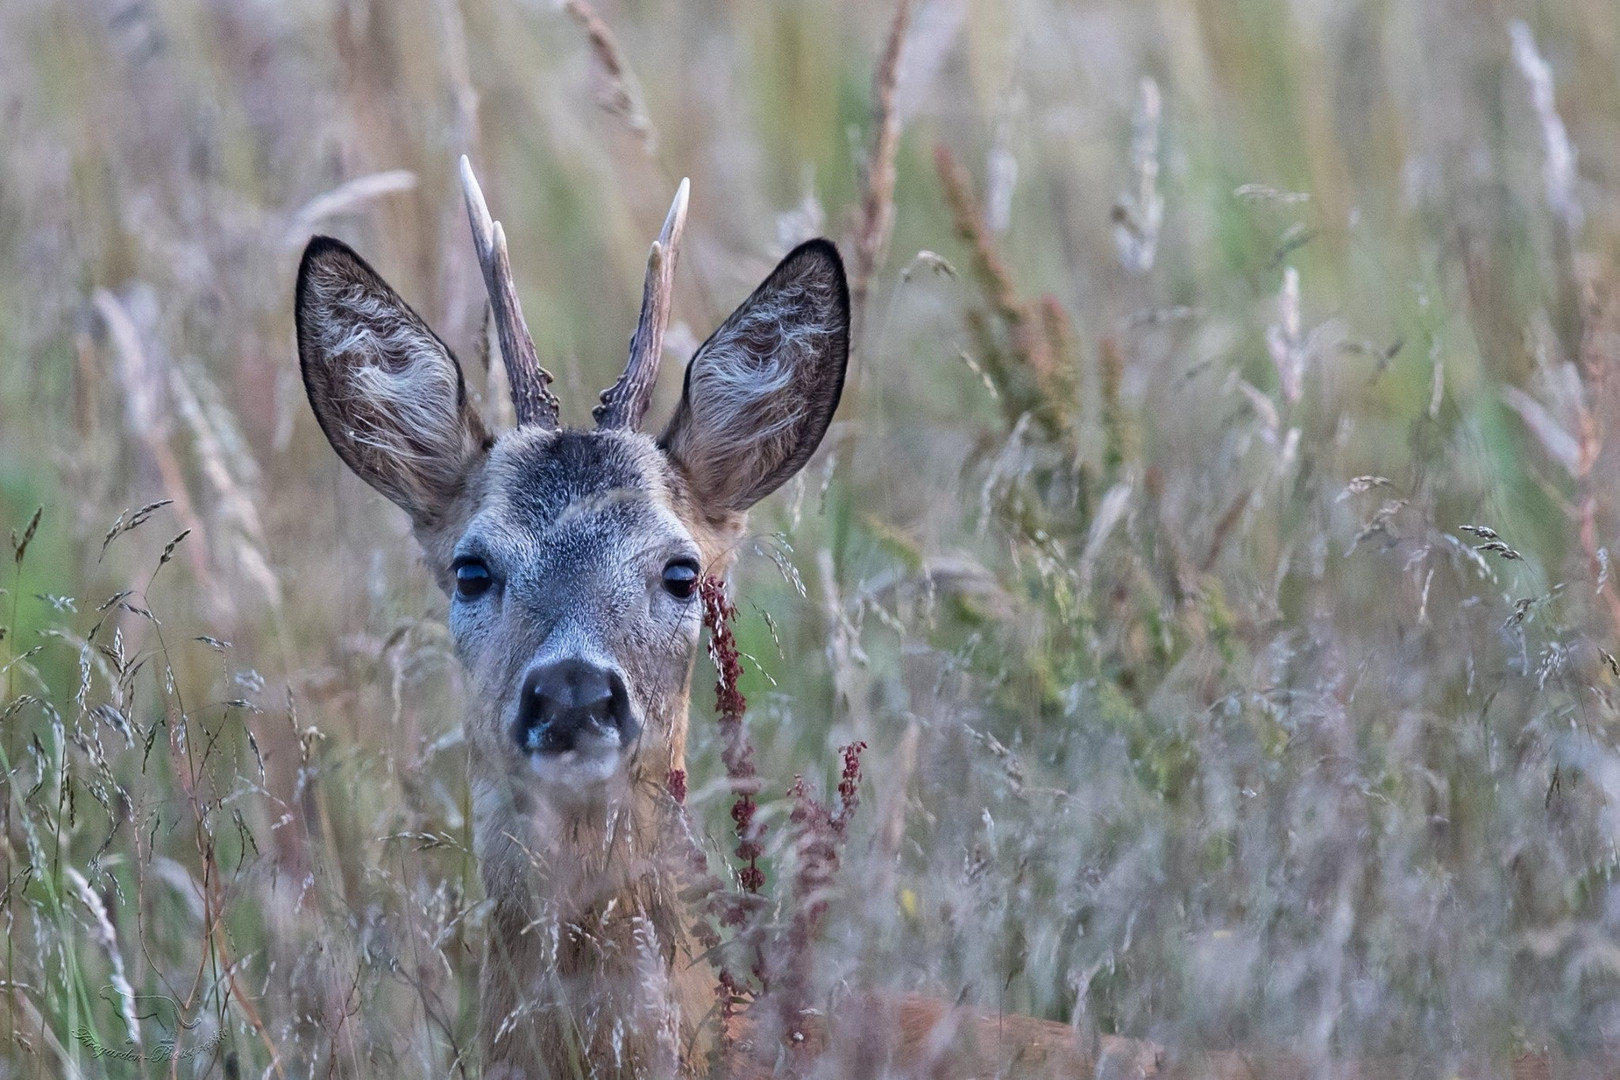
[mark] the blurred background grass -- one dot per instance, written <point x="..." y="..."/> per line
<point x="1194" y="713"/>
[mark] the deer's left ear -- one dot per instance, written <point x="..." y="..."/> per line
<point x="761" y="391"/>
<point x="387" y="392"/>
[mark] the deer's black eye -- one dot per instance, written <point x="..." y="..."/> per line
<point x="681" y="579"/>
<point x="473" y="578"/>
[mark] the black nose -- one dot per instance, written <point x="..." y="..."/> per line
<point x="572" y="705"/>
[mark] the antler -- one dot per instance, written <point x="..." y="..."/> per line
<point x="625" y="402"/>
<point x="534" y="403"/>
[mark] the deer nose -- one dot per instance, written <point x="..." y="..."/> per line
<point x="574" y="705"/>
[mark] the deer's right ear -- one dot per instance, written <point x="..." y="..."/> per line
<point x="387" y="393"/>
<point x="761" y="391"/>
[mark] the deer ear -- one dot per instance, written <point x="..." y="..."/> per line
<point x="761" y="391"/>
<point x="386" y="391"/>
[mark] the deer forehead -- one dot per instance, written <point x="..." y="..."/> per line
<point x="542" y="479"/>
<point x="593" y="499"/>
<point x="580" y="497"/>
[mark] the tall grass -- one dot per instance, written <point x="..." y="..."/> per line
<point x="1213" y="549"/>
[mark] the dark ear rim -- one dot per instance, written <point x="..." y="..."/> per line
<point x="819" y="249"/>
<point x="319" y="249"/>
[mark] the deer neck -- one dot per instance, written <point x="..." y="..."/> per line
<point x="589" y="968"/>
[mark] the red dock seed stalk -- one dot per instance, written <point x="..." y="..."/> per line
<point x="848" y="793"/>
<point x="737" y="752"/>
<point x="781" y="964"/>
<point x="820" y="834"/>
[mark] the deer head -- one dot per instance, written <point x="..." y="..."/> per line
<point x="571" y="559"/>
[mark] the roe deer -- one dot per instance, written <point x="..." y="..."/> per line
<point x="572" y="560"/>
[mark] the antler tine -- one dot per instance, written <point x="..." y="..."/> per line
<point x="625" y="402"/>
<point x="533" y="402"/>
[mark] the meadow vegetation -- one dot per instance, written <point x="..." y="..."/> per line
<point x="1213" y="550"/>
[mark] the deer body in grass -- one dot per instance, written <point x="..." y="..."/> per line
<point x="572" y="560"/>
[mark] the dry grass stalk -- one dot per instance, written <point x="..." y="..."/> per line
<point x="877" y="201"/>
<point x="1558" y="170"/>
<point x="1285" y="339"/>
<point x="988" y="268"/>
<point x="142" y="382"/>
<point x="1139" y="214"/>
<point x="1559" y="177"/>
<point x="347" y="198"/>
<point x="1024" y="346"/>
<point x="1601" y="322"/>
<point x="236" y="510"/>
<point x="621" y="95"/>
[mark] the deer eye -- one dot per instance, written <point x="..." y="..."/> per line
<point x="681" y="578"/>
<point x="473" y="578"/>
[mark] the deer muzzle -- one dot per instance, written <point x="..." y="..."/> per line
<point x="575" y="711"/>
